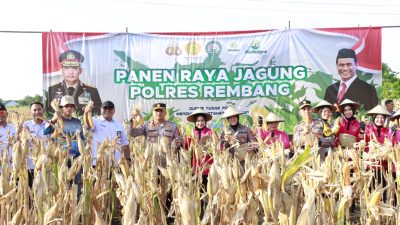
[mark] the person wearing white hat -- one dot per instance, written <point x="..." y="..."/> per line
<point x="349" y="127"/>
<point x="200" y="134"/>
<point x="307" y="131"/>
<point x="70" y="125"/>
<point x="376" y="127"/>
<point x="375" y="130"/>
<point x="325" y="110"/>
<point x="272" y="134"/>
<point x="394" y="132"/>
<point x="236" y="132"/>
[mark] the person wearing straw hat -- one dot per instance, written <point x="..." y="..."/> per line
<point x="272" y="134"/>
<point x="349" y="127"/>
<point x="201" y="135"/>
<point x="375" y="131"/>
<point x="325" y="110"/>
<point x="236" y="134"/>
<point x="308" y="130"/>
<point x="394" y="132"/>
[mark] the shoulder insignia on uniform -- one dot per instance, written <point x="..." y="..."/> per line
<point x="87" y="85"/>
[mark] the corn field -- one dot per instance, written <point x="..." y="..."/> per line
<point x="267" y="188"/>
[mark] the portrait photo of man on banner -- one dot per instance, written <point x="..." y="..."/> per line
<point x="71" y="85"/>
<point x="350" y="86"/>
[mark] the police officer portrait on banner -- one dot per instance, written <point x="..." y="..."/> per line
<point x="350" y="86"/>
<point x="71" y="85"/>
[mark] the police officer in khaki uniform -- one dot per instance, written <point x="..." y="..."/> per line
<point x="237" y="134"/>
<point x="308" y="131"/>
<point x="154" y="131"/>
<point x="71" y="85"/>
<point x="157" y="128"/>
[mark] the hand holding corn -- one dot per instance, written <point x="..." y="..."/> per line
<point x="87" y="115"/>
<point x="137" y="118"/>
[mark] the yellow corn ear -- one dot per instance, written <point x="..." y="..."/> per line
<point x="376" y="197"/>
<point x="346" y="175"/>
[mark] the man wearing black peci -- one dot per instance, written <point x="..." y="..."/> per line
<point x="350" y="86"/>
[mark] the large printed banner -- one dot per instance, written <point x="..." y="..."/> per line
<point x="254" y="71"/>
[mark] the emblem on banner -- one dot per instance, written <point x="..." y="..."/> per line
<point x="173" y="49"/>
<point x="255" y="44"/>
<point x="233" y="47"/>
<point x="213" y="48"/>
<point x="254" y="48"/>
<point x="192" y="48"/>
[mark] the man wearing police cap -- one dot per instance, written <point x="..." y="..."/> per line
<point x="307" y="131"/>
<point x="350" y="86"/>
<point x="157" y="128"/>
<point x="71" y="85"/>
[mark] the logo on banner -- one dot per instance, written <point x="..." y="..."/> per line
<point x="193" y="48"/>
<point x="173" y="49"/>
<point x="233" y="47"/>
<point x="213" y="48"/>
<point x="255" y="48"/>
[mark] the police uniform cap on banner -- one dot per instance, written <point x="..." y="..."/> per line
<point x="347" y="53"/>
<point x="349" y="102"/>
<point x="272" y="117"/>
<point x="198" y="112"/>
<point x="230" y="111"/>
<point x="396" y="115"/>
<point x="71" y="58"/>
<point x="322" y="105"/>
<point x="304" y="103"/>
<point x="162" y="106"/>
<point x="378" y="110"/>
<point x="108" y="104"/>
<point x="67" y="100"/>
<point x="3" y="107"/>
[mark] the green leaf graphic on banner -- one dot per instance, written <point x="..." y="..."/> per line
<point x="322" y="80"/>
<point x="132" y="64"/>
<point x="364" y="76"/>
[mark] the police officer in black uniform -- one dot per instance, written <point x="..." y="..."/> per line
<point x="71" y="85"/>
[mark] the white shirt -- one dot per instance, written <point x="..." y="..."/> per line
<point x="8" y="135"/>
<point x="36" y="131"/>
<point x="107" y="130"/>
<point x="348" y="83"/>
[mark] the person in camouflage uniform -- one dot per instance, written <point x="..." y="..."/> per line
<point x="236" y="134"/>
<point x="326" y="140"/>
<point x="308" y="131"/>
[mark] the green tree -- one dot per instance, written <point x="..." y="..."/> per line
<point x="390" y="83"/>
<point x="29" y="99"/>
